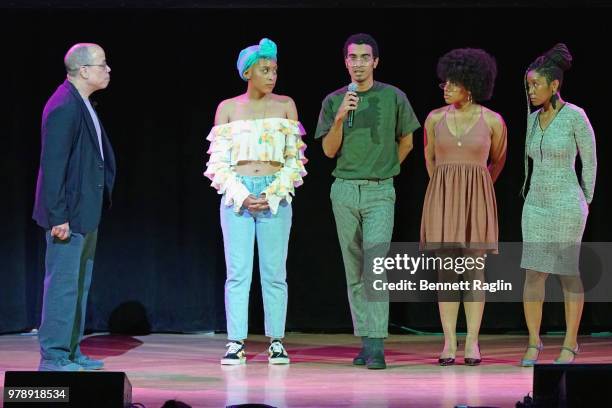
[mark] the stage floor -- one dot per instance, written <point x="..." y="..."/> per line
<point x="186" y="367"/>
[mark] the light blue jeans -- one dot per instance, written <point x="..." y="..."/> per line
<point x="239" y="233"/>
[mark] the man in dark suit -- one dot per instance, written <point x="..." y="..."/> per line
<point x="77" y="168"/>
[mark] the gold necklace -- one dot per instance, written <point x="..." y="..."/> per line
<point x="458" y="136"/>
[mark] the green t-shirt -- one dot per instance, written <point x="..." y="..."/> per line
<point x="369" y="148"/>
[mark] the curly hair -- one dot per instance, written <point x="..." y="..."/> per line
<point x="473" y="68"/>
<point x="361" y="38"/>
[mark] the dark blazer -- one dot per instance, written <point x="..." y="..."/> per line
<point x="72" y="178"/>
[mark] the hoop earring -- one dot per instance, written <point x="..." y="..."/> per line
<point x="553" y="100"/>
<point x="470" y="99"/>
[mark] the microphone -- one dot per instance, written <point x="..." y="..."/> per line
<point x="351" y="88"/>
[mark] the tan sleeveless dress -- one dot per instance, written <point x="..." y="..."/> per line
<point x="460" y="210"/>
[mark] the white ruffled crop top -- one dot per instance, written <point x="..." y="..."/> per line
<point x="269" y="139"/>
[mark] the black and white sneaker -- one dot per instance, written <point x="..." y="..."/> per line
<point x="277" y="353"/>
<point x="235" y="354"/>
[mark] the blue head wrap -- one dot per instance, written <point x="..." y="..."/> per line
<point x="249" y="56"/>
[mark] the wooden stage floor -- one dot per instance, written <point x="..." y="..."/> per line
<point x="186" y="367"/>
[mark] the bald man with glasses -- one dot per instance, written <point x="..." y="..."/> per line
<point x="76" y="174"/>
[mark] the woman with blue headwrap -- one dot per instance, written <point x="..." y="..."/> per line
<point x="256" y="161"/>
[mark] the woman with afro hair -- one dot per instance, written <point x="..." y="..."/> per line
<point x="557" y="205"/>
<point x="465" y="151"/>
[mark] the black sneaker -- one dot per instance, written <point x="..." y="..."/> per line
<point x="235" y="354"/>
<point x="277" y="353"/>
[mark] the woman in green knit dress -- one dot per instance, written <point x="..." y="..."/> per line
<point x="557" y="205"/>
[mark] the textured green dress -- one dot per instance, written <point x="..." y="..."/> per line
<point x="556" y="207"/>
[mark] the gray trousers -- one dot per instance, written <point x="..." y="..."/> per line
<point x="364" y="213"/>
<point x="68" y="270"/>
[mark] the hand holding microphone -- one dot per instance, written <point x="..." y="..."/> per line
<point x="352" y="88"/>
<point x="349" y="105"/>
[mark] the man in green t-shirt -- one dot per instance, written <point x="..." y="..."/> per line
<point x="369" y="148"/>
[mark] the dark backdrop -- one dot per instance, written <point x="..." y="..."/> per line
<point x="160" y="247"/>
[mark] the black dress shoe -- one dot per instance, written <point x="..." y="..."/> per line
<point x="361" y="358"/>
<point x="448" y="361"/>
<point x="376" y="361"/>
<point x="376" y="356"/>
<point x="473" y="361"/>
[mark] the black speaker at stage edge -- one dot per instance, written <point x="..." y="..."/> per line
<point x="89" y="389"/>
<point x="572" y="385"/>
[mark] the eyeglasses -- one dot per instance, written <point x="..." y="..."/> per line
<point x="449" y="86"/>
<point x="105" y="66"/>
<point x="363" y="60"/>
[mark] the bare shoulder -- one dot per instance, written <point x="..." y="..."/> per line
<point x="281" y="100"/>
<point x="224" y="110"/>
<point x="227" y="105"/>
<point x="285" y="104"/>
<point x="493" y="119"/>
<point x="436" y="115"/>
